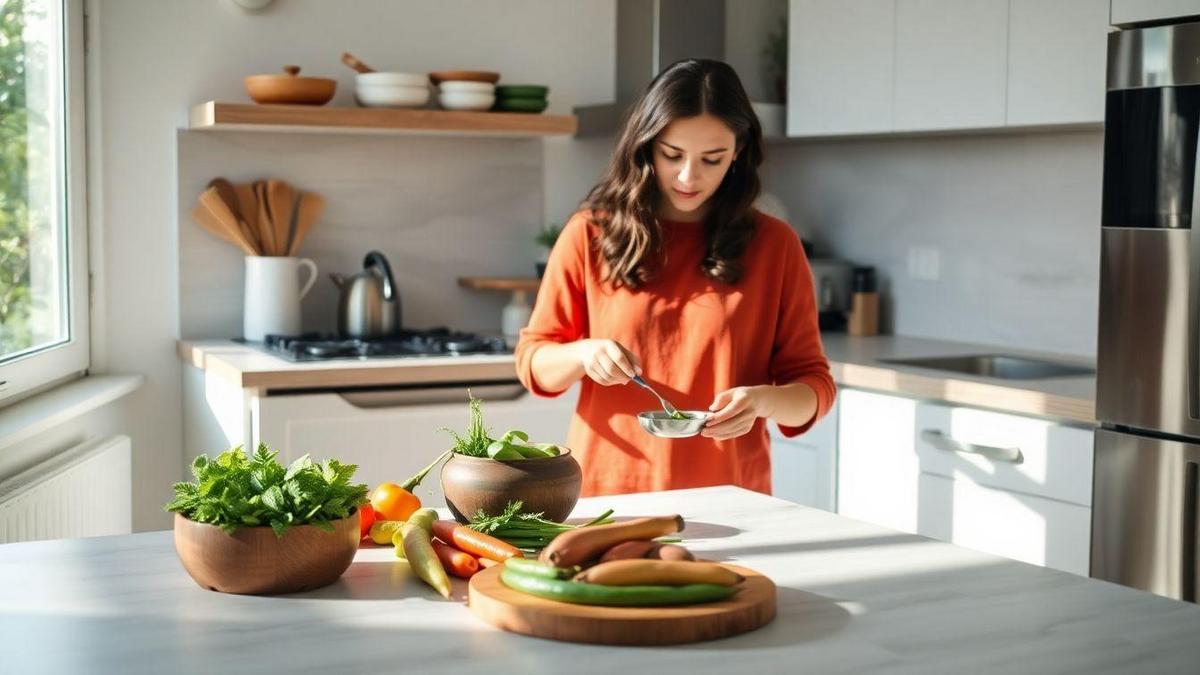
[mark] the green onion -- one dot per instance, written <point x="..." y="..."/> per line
<point x="529" y="531"/>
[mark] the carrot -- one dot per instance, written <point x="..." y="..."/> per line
<point x="413" y="541"/>
<point x="456" y="562"/>
<point x="475" y="543"/>
<point x="488" y="562"/>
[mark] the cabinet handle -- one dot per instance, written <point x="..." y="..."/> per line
<point x="941" y="441"/>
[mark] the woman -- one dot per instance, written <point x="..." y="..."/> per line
<point x="669" y="273"/>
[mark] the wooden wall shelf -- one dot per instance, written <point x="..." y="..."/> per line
<point x="500" y="283"/>
<point x="216" y="116"/>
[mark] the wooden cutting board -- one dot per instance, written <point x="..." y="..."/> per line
<point x="499" y="605"/>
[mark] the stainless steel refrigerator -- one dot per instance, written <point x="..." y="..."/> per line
<point x="1146" y="515"/>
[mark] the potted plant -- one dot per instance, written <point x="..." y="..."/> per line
<point x="249" y="525"/>
<point x="545" y="239"/>
<point x="775" y="58"/>
<point x="485" y="473"/>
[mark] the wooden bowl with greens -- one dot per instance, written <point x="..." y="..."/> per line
<point x="486" y="474"/>
<point x="249" y="525"/>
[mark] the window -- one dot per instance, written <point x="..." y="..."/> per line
<point x="43" y="247"/>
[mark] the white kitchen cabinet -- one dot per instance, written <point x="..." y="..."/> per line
<point x="1012" y="485"/>
<point x="840" y="69"/>
<point x="390" y="442"/>
<point x="1005" y="451"/>
<point x="1032" y="529"/>
<point x="1130" y="12"/>
<point x="877" y="467"/>
<point x="1056" y="61"/>
<point x="804" y="469"/>
<point x="951" y="64"/>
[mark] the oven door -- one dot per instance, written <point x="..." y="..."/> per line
<point x="393" y="433"/>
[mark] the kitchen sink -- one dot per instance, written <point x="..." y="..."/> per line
<point x="997" y="365"/>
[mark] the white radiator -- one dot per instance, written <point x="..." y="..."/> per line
<point x="83" y="492"/>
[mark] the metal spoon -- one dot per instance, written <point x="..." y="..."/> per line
<point x="671" y="410"/>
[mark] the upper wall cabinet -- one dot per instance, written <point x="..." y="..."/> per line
<point x="1056" y="61"/>
<point x="950" y="64"/>
<point x="840" y="70"/>
<point x="1132" y="12"/>
<point x="881" y="66"/>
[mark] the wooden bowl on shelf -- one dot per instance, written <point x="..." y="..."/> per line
<point x="289" y="87"/>
<point x="253" y="561"/>
<point x="548" y="485"/>
<point x="441" y="76"/>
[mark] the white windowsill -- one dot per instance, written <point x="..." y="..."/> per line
<point x="42" y="412"/>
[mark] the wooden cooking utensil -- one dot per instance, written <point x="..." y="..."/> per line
<point x="248" y="207"/>
<point x="310" y="207"/>
<point x="281" y="202"/>
<point x="209" y="222"/>
<point x="228" y="194"/>
<point x="217" y="220"/>
<point x="355" y="64"/>
<point x="266" y="231"/>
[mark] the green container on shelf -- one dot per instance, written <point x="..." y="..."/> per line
<point x="504" y="91"/>
<point x="529" y="105"/>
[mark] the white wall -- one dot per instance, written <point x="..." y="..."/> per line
<point x="1014" y="219"/>
<point x="150" y="61"/>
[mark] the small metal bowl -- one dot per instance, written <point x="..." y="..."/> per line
<point x="659" y="423"/>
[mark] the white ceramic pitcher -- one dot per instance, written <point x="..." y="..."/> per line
<point x="273" y="294"/>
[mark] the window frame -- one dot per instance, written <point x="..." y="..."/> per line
<point x="56" y="363"/>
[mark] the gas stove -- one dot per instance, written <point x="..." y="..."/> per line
<point x="427" y="342"/>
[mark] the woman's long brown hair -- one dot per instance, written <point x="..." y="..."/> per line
<point x="625" y="200"/>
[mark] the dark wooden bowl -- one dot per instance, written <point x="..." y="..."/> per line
<point x="549" y="485"/>
<point x="254" y="561"/>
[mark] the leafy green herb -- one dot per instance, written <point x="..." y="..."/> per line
<point x="476" y="441"/>
<point x="234" y="490"/>
<point x="547" y="236"/>
<point x="529" y="531"/>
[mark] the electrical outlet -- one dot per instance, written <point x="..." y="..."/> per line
<point x="924" y="263"/>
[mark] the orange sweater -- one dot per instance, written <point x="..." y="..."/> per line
<point x="695" y="338"/>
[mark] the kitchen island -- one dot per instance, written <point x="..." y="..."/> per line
<point x="853" y="598"/>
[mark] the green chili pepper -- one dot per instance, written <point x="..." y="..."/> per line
<point x="583" y="593"/>
<point x="534" y="568"/>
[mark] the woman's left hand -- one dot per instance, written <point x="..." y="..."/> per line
<point x="735" y="411"/>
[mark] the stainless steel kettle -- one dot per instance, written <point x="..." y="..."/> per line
<point x="369" y="306"/>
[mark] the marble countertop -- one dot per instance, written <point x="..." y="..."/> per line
<point x="853" y="360"/>
<point x="856" y="362"/>
<point x="853" y="598"/>
<point x="252" y="367"/>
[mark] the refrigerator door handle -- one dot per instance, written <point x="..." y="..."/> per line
<point x="1191" y="536"/>
<point x="1193" y="331"/>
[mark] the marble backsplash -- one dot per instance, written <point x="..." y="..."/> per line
<point x="993" y="239"/>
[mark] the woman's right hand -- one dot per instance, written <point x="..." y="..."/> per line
<point x="607" y="362"/>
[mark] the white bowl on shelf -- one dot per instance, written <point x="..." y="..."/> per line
<point x="462" y="100"/>
<point x="394" y="79"/>
<point x="464" y="87"/>
<point x="391" y="96"/>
